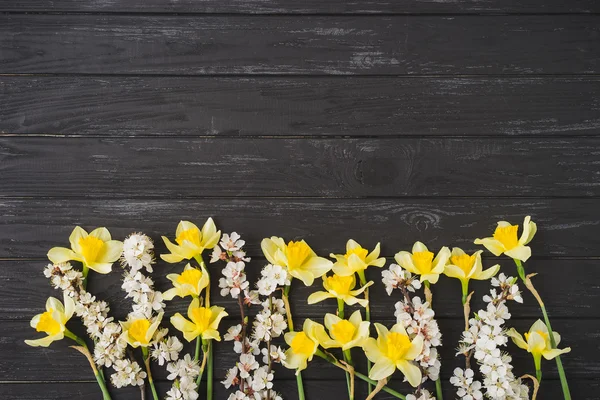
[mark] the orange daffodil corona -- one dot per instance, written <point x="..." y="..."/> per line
<point x="356" y="259"/>
<point x="393" y="350"/>
<point x="191" y="241"/>
<point x="96" y="250"/>
<point x="505" y="240"/>
<point x="422" y="262"/>
<point x="340" y="287"/>
<point x="203" y="322"/>
<point x="299" y="259"/>
<point x="53" y="321"/>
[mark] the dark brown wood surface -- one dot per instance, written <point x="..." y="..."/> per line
<point x="384" y="121"/>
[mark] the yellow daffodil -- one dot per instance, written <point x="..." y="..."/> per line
<point x="303" y="345"/>
<point x="537" y="342"/>
<point x="140" y="331"/>
<point x="190" y="282"/>
<point x="203" y="321"/>
<point x="356" y="259"/>
<point x="191" y="241"/>
<point x="344" y="333"/>
<point x="421" y="262"/>
<point x="505" y="240"/>
<point x="53" y="321"/>
<point x="340" y="287"/>
<point x="299" y="259"/>
<point x="95" y="250"/>
<point x="466" y="267"/>
<point x="394" y="349"/>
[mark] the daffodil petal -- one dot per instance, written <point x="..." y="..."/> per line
<point x="404" y="259"/>
<point x="488" y="273"/>
<point x="61" y="254"/>
<point x="517" y="338"/>
<point x="77" y="234"/>
<point x="411" y="372"/>
<point x="453" y="271"/>
<point x="111" y="251"/>
<point x="519" y="253"/>
<point x="382" y="369"/>
<point x="419" y="247"/>
<point x="416" y="347"/>
<point x="493" y="245"/>
<point x="550" y="354"/>
<point x="101" y="268"/>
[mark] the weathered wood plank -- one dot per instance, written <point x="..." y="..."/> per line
<point x="314" y="389"/>
<point x="565" y="226"/>
<point x="306" y="7"/>
<point x="22" y="362"/>
<point x="96" y="44"/>
<point x="37" y="167"/>
<point x="294" y="106"/>
<point x="17" y="277"/>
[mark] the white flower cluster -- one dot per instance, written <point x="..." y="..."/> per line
<point x="468" y="388"/>
<point x="138" y="254"/>
<point x="184" y="372"/>
<point x="420" y="395"/>
<point x="483" y="340"/>
<point x="108" y="349"/>
<point x="395" y="277"/>
<point x="253" y="380"/>
<point x="417" y="317"/>
<point x="234" y="280"/>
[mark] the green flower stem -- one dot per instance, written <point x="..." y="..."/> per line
<point x="97" y="373"/>
<point x="300" y="386"/>
<point x="290" y="321"/>
<point x="203" y="364"/>
<point x="146" y="358"/>
<point x="340" y="308"/>
<point x="198" y="343"/>
<point x="465" y="291"/>
<point x="365" y="378"/>
<point x="85" y="272"/>
<point x="363" y="281"/>
<point x="561" y="370"/>
<point x="209" y="374"/>
<point x="348" y="359"/>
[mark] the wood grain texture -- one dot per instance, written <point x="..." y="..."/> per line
<point x="315" y="389"/>
<point x="33" y="167"/>
<point x="566" y="227"/>
<point x="299" y="106"/>
<point x="65" y="362"/>
<point x="17" y="276"/>
<point x="96" y="44"/>
<point x="307" y="6"/>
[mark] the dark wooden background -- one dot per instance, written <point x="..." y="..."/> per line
<point x="379" y="120"/>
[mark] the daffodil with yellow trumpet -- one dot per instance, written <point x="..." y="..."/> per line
<point x="190" y="282"/>
<point x="191" y="241"/>
<point x="203" y="322"/>
<point x="465" y="267"/>
<point x="422" y="262"/>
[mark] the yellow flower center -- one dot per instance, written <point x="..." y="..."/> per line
<point x="342" y="285"/>
<point x="193" y="236"/>
<point x="297" y="253"/>
<point x="48" y="324"/>
<point x="464" y="262"/>
<point x="507" y="235"/>
<point x="397" y="346"/>
<point x="138" y="330"/>
<point x="301" y="344"/>
<point x="541" y="333"/>
<point x="201" y="317"/>
<point x="343" y="331"/>
<point x="423" y="261"/>
<point x="90" y="248"/>
<point x="359" y="251"/>
<point x="190" y="277"/>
